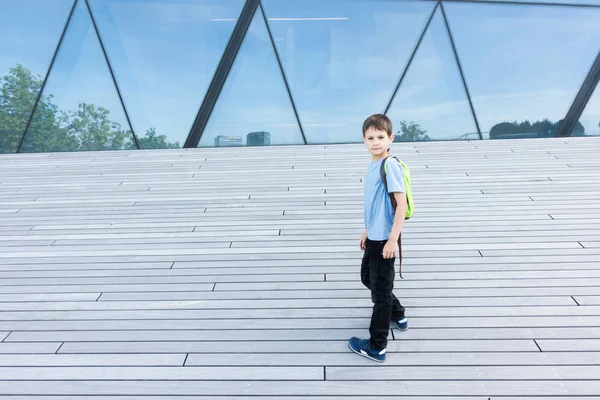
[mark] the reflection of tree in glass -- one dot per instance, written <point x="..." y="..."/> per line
<point x="411" y="132"/>
<point x="18" y="92"/>
<point x="154" y="141"/>
<point x="526" y="129"/>
<point x="91" y="128"/>
<point x="51" y="129"/>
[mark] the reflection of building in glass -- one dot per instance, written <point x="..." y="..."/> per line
<point x="228" y="141"/>
<point x="258" y="139"/>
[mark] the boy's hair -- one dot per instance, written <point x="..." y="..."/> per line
<point x="379" y="122"/>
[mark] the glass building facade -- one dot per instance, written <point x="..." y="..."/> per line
<point x="79" y="75"/>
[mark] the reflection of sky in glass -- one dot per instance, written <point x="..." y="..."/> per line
<point x="432" y="93"/>
<point x="524" y="62"/>
<point x="80" y="73"/>
<point x="164" y="54"/>
<point x="254" y="98"/>
<point x="521" y="62"/>
<point x="343" y="58"/>
<point x="590" y="119"/>
<point x="31" y="30"/>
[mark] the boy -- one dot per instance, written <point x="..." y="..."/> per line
<point x="380" y="239"/>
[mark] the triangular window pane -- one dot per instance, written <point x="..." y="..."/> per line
<point x="343" y="58"/>
<point x="31" y="30"/>
<point x="164" y="55"/>
<point x="431" y="103"/>
<point x="524" y="64"/>
<point x="80" y="108"/>
<point x="254" y="107"/>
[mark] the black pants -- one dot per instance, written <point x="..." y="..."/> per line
<point x="377" y="274"/>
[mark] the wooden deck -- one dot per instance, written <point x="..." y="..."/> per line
<point x="234" y="273"/>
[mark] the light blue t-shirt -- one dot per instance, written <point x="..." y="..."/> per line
<point x="378" y="209"/>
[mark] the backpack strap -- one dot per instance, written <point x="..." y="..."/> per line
<point x="382" y="172"/>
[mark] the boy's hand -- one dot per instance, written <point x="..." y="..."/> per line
<point x="363" y="240"/>
<point x="390" y="249"/>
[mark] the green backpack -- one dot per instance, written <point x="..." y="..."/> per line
<point x="409" y="198"/>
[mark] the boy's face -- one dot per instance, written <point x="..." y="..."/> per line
<point x="377" y="142"/>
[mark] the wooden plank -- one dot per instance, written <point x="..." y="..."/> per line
<point x="411" y="270"/>
<point x="471" y="373"/>
<point x="29" y="243"/>
<point x="231" y="253"/>
<point x="334" y="273"/>
<point x="29" y="348"/>
<point x="309" y="303"/>
<point x="79" y="265"/>
<point x="49" y="374"/>
<point x="408" y="265"/>
<point x="553" y="398"/>
<point x="542" y="252"/>
<point x="292" y="282"/>
<point x="414" y="247"/>
<point x="588" y="244"/>
<point x="295" y="347"/>
<point x="166" y="280"/>
<point x="300" y="258"/>
<point x="588" y="345"/>
<point x="305" y="323"/>
<point x="92" y="360"/>
<point x="49" y="297"/>
<point x="310" y="388"/>
<point x="411" y="232"/>
<point x="587" y="300"/>
<point x="321" y="333"/>
<point x="101" y="288"/>
<point x="406" y="285"/>
<point x="186" y="397"/>
<point x="285" y="312"/>
<point x="271" y="238"/>
<point x="128" y="295"/>
<point x="534" y="214"/>
<point x="299" y="223"/>
<point x="403" y="359"/>
<point x="479" y="275"/>
<point x="163" y="237"/>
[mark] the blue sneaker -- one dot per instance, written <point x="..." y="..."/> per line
<point x="363" y="347"/>
<point x="401" y="324"/>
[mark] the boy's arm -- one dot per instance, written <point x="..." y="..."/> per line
<point x="400" y="216"/>
<point x="391" y="247"/>
<point x="363" y="240"/>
